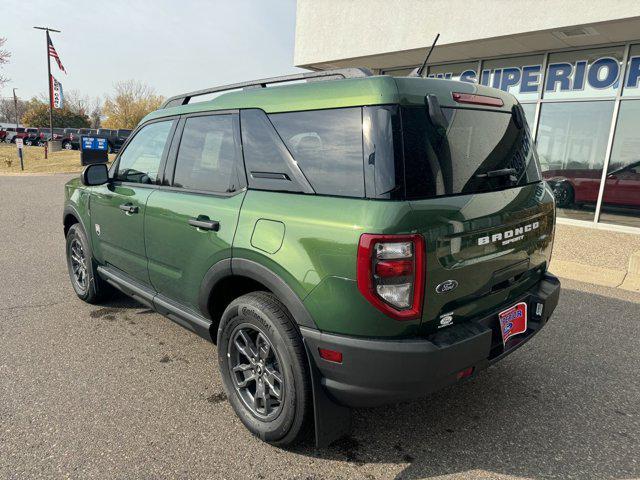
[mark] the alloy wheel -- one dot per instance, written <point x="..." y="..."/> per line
<point x="78" y="264"/>
<point x="256" y="371"/>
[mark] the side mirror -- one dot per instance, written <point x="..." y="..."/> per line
<point x="96" y="174"/>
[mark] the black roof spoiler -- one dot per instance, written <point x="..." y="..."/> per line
<point x="342" y="73"/>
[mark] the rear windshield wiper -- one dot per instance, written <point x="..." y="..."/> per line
<point x="502" y="172"/>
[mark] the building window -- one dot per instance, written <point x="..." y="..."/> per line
<point x="621" y="197"/>
<point x="530" y="114"/>
<point x="466" y="71"/>
<point x="520" y="76"/>
<point x="572" y="143"/>
<point x="584" y="73"/>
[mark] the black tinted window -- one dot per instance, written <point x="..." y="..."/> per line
<point x="327" y="144"/>
<point x="140" y="161"/>
<point x="480" y="151"/>
<point x="383" y="165"/>
<point x="208" y="154"/>
<point x="268" y="162"/>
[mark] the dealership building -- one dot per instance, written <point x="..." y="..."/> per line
<point x="574" y="65"/>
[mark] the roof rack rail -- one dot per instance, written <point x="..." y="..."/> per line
<point x="185" y="98"/>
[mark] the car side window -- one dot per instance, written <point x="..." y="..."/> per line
<point x="327" y="144"/>
<point x="208" y="154"/>
<point x="140" y="161"/>
<point x="269" y="164"/>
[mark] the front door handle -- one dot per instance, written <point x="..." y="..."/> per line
<point x="128" y="208"/>
<point x="204" y="223"/>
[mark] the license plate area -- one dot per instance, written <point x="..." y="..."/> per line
<point x="513" y="321"/>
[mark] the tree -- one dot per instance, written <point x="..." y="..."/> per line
<point x="96" y="114"/>
<point x="8" y="111"/>
<point x="4" y="58"/>
<point x="131" y="101"/>
<point x="37" y="115"/>
<point x="75" y="102"/>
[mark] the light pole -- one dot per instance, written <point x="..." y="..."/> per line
<point x="15" y="106"/>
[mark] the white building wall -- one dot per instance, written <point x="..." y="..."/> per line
<point x="332" y="31"/>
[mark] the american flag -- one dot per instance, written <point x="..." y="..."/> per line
<point x="54" y="54"/>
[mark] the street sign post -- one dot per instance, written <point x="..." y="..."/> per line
<point x="19" y="145"/>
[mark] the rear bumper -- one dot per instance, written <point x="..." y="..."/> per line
<point x="375" y="372"/>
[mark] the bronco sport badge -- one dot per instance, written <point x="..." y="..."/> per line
<point x="509" y="236"/>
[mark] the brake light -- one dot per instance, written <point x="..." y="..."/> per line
<point x="477" y="99"/>
<point x="390" y="273"/>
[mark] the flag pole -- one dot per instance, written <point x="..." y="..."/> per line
<point x="49" y="84"/>
<point x="50" y="88"/>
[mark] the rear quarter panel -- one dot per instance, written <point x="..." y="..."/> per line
<point x="317" y="254"/>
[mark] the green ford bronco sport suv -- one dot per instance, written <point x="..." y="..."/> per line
<point x="347" y="240"/>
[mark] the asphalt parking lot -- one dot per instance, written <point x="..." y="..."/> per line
<point x="117" y="391"/>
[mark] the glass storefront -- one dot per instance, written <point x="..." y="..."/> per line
<point x="572" y="144"/>
<point x="621" y="197"/>
<point x="584" y="107"/>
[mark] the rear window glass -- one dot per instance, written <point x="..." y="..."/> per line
<point x="481" y="151"/>
<point x="327" y="144"/>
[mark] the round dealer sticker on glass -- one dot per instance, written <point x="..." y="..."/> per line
<point x="513" y="321"/>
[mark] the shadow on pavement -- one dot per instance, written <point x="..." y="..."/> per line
<point x="567" y="405"/>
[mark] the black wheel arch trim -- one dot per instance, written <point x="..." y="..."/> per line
<point x="71" y="210"/>
<point x="255" y="271"/>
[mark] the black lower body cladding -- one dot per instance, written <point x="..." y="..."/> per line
<point x="374" y="372"/>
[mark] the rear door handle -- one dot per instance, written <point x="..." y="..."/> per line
<point x="128" y="208"/>
<point x="205" y="224"/>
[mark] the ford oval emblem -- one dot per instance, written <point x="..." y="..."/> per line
<point x="446" y="286"/>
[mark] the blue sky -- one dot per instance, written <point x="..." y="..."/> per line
<point x="174" y="46"/>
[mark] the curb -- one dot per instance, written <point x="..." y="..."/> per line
<point x="628" y="279"/>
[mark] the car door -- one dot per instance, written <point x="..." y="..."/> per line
<point x="191" y="222"/>
<point x="117" y="208"/>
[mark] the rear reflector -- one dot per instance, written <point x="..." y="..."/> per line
<point x="394" y="269"/>
<point x="330" y="355"/>
<point x="467" y="372"/>
<point x="477" y="99"/>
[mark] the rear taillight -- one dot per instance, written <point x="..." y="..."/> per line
<point x="391" y="273"/>
<point x="477" y="99"/>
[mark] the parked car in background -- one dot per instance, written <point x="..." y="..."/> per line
<point x="15" y="133"/>
<point x="576" y="186"/>
<point x="33" y="134"/>
<point x="3" y="134"/>
<point x="71" y="137"/>
<point x="11" y="134"/>
<point x="115" y="138"/>
<point x="30" y="136"/>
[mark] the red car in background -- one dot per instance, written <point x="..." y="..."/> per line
<point x="577" y="186"/>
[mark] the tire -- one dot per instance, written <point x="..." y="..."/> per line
<point x="564" y="195"/>
<point x="93" y="289"/>
<point x="67" y="146"/>
<point x="28" y="143"/>
<point x="260" y="316"/>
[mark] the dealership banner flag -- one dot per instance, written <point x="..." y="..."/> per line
<point x="56" y="93"/>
